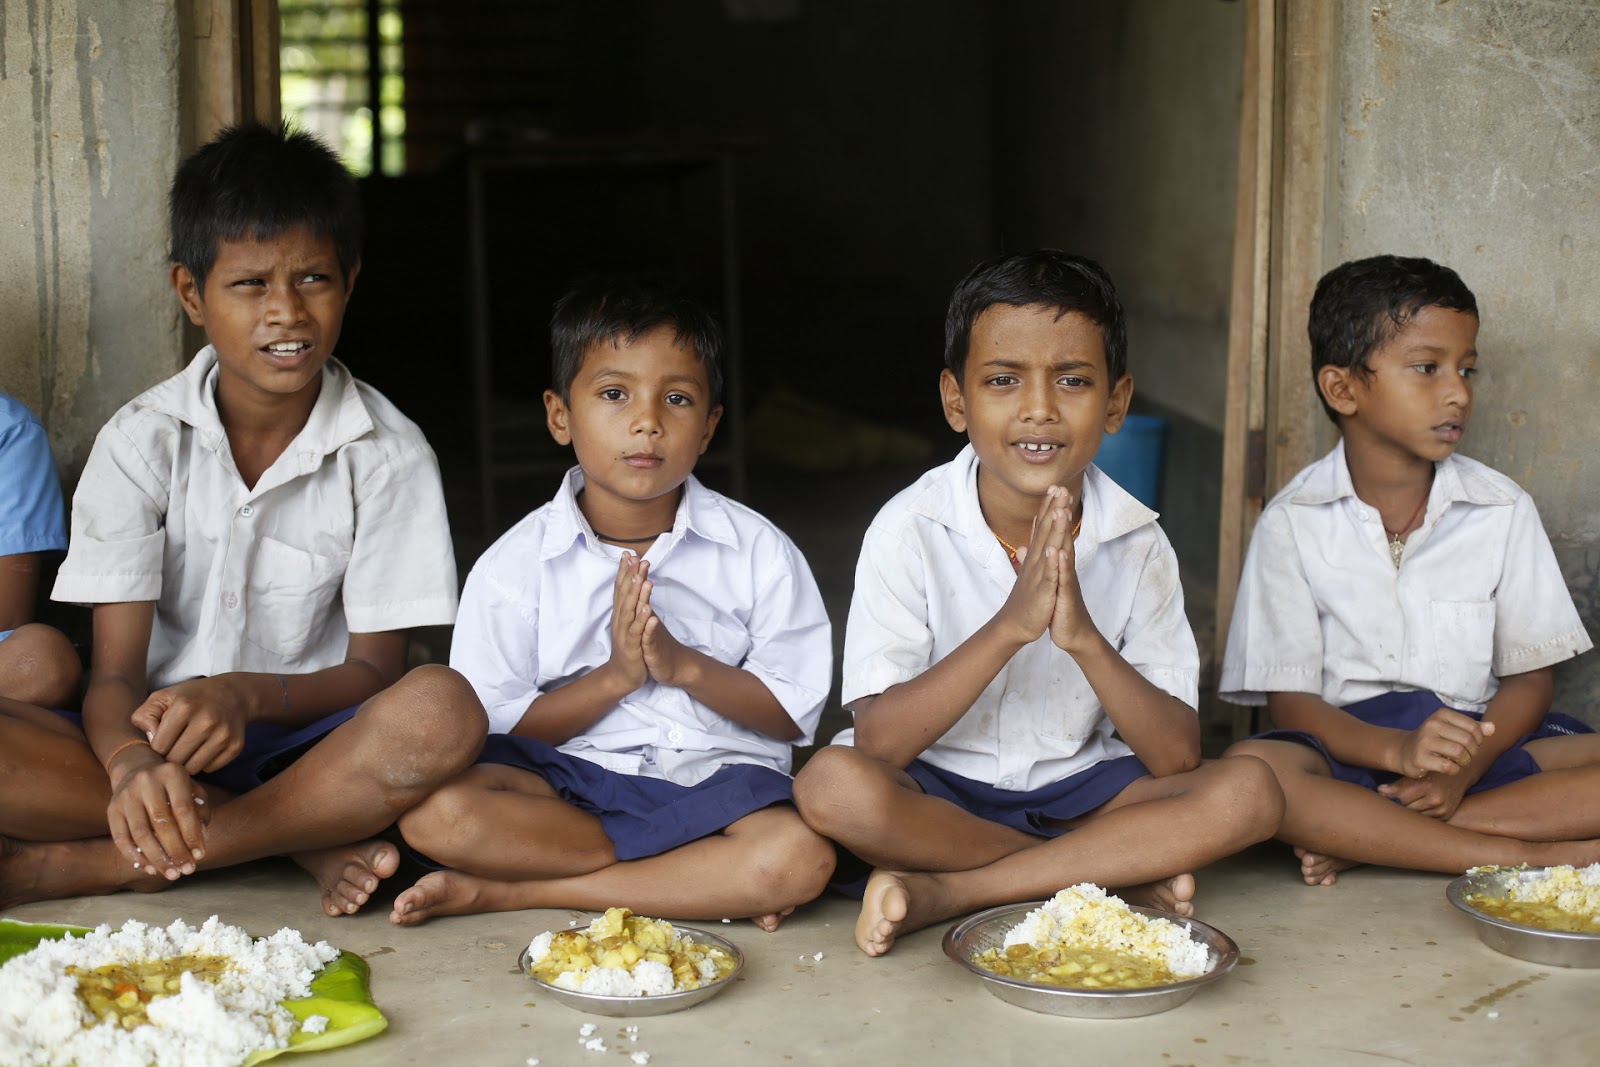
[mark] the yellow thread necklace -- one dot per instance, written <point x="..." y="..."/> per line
<point x="1011" y="550"/>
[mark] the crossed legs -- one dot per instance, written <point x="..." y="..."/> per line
<point x="516" y="844"/>
<point x="401" y="745"/>
<point x="1547" y="818"/>
<point x="934" y="860"/>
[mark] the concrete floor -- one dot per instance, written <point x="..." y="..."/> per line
<point x="1378" y="969"/>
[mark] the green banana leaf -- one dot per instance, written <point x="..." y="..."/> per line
<point x="339" y="992"/>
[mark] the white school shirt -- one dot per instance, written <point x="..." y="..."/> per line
<point x="931" y="573"/>
<point x="536" y="615"/>
<point x="346" y="531"/>
<point x="1322" y="608"/>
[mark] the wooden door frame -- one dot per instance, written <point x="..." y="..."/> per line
<point x="228" y="62"/>
<point x="1274" y="424"/>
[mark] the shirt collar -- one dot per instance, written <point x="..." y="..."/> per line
<point x="700" y="512"/>
<point x="1109" y="511"/>
<point x="1454" y="479"/>
<point x="338" y="417"/>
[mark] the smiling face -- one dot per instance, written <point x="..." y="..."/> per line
<point x="1034" y="401"/>
<point x="638" y="416"/>
<point x="1415" y="399"/>
<point x="273" y="310"/>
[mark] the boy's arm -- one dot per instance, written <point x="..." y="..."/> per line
<point x="201" y="723"/>
<point x="732" y="692"/>
<point x="1443" y="744"/>
<point x="561" y="714"/>
<point x="153" y="815"/>
<point x="897" y="725"/>
<point x="1162" y="730"/>
<point x="19" y="585"/>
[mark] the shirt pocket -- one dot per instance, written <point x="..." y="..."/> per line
<point x="291" y="595"/>
<point x="1463" y="635"/>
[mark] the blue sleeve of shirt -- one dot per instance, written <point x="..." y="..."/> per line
<point x="32" y="515"/>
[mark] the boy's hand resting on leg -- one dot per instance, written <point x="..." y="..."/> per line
<point x="198" y="724"/>
<point x="630" y="608"/>
<point x="1443" y="744"/>
<point x="1434" y="795"/>
<point x="1031" y="605"/>
<point x="157" y="813"/>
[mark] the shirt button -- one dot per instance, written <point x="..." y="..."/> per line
<point x="230" y="601"/>
<point x="675" y="737"/>
<point x="247" y="511"/>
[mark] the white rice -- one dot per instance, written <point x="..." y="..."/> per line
<point x="1572" y="889"/>
<point x="1086" y="916"/>
<point x="43" y="1022"/>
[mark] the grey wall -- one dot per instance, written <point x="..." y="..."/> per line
<point x="1470" y="133"/>
<point x="88" y="142"/>
<point x="1117" y="135"/>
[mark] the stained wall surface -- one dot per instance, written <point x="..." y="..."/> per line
<point x="88" y="142"/>
<point x="1470" y="133"/>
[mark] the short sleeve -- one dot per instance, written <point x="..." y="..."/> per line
<point x="1535" y="622"/>
<point x="402" y="570"/>
<point x="1275" y="636"/>
<point x="118" y="521"/>
<point x="496" y="645"/>
<point x="791" y="642"/>
<point x="32" y="514"/>
<point x="887" y="639"/>
<point x="1158" y="641"/>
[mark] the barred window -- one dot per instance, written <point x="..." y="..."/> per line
<point x="335" y="58"/>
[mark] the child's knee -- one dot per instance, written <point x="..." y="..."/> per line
<point x="435" y="714"/>
<point x="44" y="667"/>
<point x="442" y="815"/>
<point x="1253" y="796"/>
<point x="792" y="864"/>
<point x="831" y="781"/>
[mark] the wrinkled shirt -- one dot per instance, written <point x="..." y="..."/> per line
<point x="346" y="531"/>
<point x="1322" y="608"/>
<point x="931" y="573"/>
<point x="32" y="515"/>
<point x="536" y="615"/>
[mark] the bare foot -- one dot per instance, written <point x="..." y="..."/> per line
<point x="1175" y="894"/>
<point x="900" y="902"/>
<point x="1319" y="869"/>
<point x="349" y="875"/>
<point x="770" y="922"/>
<point x="451" y="893"/>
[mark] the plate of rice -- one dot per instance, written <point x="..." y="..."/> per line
<point x="1545" y="915"/>
<point x="1087" y="954"/>
<point x="179" y="996"/>
<point x="623" y="964"/>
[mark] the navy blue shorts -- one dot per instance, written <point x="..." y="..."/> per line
<point x="1036" y="811"/>
<point x="1409" y="710"/>
<point x="268" y="749"/>
<point x="644" y="816"/>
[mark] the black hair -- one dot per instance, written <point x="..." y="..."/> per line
<point x="254" y="181"/>
<point x="1362" y="304"/>
<point x="606" y="310"/>
<point x="1045" y="277"/>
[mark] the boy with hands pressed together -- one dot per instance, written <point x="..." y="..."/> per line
<point x="1400" y="610"/>
<point x="1017" y="659"/>
<point x="648" y="650"/>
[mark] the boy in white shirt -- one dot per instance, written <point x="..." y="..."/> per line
<point x="1400" y="609"/>
<point x="256" y="535"/>
<point x="649" y="652"/>
<point x="1017" y="659"/>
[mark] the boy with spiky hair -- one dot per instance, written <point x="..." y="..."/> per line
<point x="256" y="535"/>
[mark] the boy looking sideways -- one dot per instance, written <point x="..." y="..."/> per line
<point x="649" y="652"/>
<point x="1017" y="658"/>
<point x="256" y="535"/>
<point x="1400" y="610"/>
